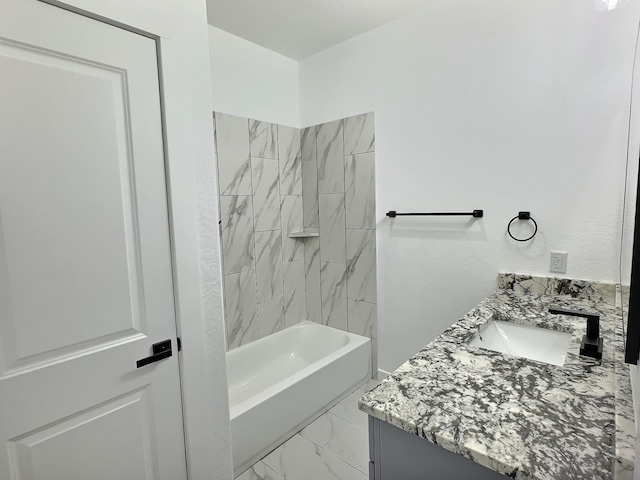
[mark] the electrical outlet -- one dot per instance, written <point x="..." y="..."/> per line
<point x="558" y="263"/>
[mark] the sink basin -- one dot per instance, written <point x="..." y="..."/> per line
<point x="534" y="343"/>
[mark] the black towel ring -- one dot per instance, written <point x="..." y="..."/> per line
<point x="522" y="216"/>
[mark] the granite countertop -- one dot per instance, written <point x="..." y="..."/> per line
<point x="520" y="417"/>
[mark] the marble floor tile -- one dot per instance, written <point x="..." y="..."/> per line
<point x="370" y="385"/>
<point x="309" y="457"/>
<point x="263" y="137"/>
<point x="351" y="445"/>
<point x="360" y="195"/>
<point x="347" y="409"/>
<point x="266" y="194"/>
<point x="301" y="459"/>
<point x="330" y="152"/>
<point x="232" y="145"/>
<point x="359" y="135"/>
<point x="290" y="158"/>
<point x="260" y="471"/>
<point x="324" y="429"/>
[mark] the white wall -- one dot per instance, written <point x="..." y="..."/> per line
<point x="182" y="29"/>
<point x="251" y="81"/>
<point x="500" y="105"/>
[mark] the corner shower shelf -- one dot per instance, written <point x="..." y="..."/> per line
<point x="304" y="234"/>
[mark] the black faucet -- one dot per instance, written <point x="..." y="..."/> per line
<point x="591" y="345"/>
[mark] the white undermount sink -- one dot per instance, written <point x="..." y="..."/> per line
<point x="541" y="344"/>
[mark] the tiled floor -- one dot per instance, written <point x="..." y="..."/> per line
<point x="334" y="447"/>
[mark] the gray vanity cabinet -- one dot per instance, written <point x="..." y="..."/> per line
<point x="398" y="455"/>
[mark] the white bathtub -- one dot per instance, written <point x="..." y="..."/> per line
<point x="278" y="384"/>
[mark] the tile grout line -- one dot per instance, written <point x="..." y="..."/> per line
<point x="344" y="459"/>
<point x="282" y="231"/>
<point x="253" y="225"/>
<point x="316" y="129"/>
<point x="346" y="241"/>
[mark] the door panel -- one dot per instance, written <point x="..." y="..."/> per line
<point x="121" y="428"/>
<point x="43" y="181"/>
<point x="85" y="261"/>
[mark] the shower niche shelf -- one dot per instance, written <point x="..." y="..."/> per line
<point x="304" y="234"/>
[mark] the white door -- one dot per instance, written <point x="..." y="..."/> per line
<point x="85" y="261"/>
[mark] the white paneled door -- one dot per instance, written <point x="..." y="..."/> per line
<point x="85" y="261"/>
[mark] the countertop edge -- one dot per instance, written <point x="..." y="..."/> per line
<point x="624" y="446"/>
<point x="625" y="450"/>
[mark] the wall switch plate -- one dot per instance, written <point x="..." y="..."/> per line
<point x="558" y="263"/>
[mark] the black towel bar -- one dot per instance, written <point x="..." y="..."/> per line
<point x="475" y="213"/>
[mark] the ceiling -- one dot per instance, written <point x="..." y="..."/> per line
<point x="300" y="28"/>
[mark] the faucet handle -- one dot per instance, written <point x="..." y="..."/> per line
<point x="573" y="313"/>
<point x="591" y="343"/>
<point x="593" y="319"/>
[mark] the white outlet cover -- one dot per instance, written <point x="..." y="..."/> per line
<point x="558" y="262"/>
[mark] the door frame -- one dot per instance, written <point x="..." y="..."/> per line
<point x="180" y="30"/>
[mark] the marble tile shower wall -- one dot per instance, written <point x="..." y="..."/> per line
<point x="260" y="187"/>
<point x="274" y="180"/>
<point x="338" y="189"/>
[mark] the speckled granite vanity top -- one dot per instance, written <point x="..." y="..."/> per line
<point x="520" y="417"/>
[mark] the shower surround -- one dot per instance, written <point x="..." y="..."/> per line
<point x="274" y="180"/>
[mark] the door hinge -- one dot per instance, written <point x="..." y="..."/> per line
<point x="179" y="344"/>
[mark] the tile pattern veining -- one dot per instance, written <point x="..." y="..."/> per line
<point x="333" y="447"/>
<point x="274" y="180"/>
<point x="266" y="200"/>
<point x="582" y="289"/>
<point x="290" y="161"/>
<point x="519" y="417"/>
<point x="260" y="187"/>
<point x="338" y="175"/>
